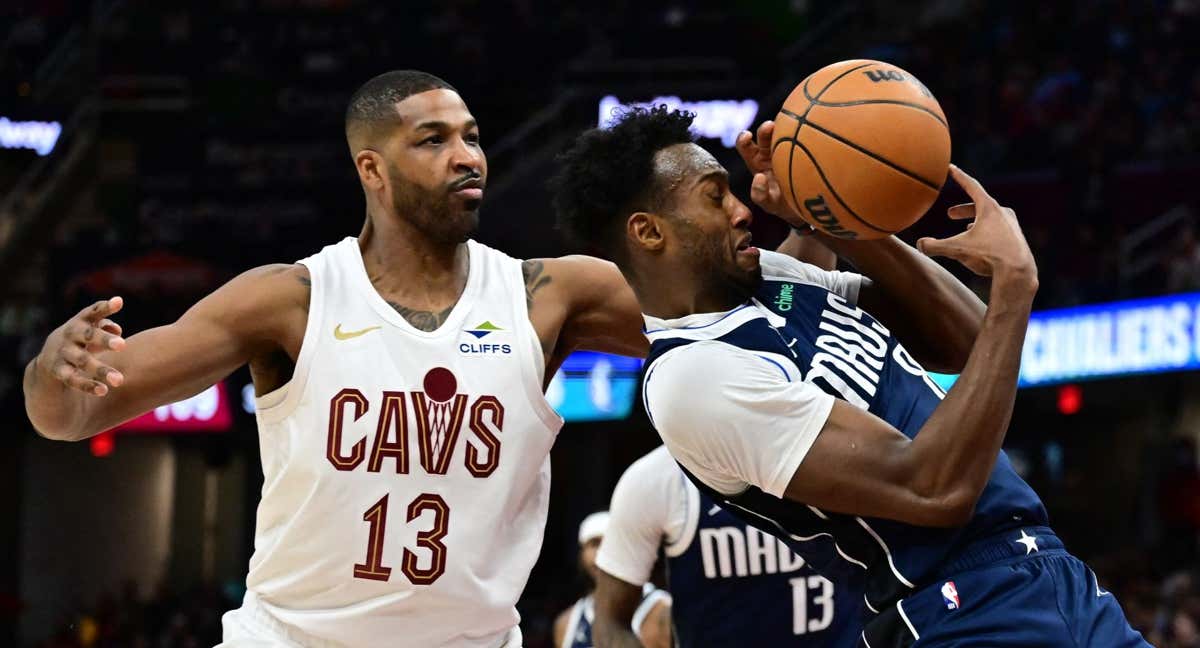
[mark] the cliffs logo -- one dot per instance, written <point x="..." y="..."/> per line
<point x="483" y="330"/>
<point x="496" y="344"/>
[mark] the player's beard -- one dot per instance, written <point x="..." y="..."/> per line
<point x="718" y="269"/>
<point x="437" y="213"/>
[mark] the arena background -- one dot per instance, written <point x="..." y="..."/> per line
<point x="196" y="140"/>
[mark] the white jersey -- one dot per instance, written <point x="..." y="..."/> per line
<point x="407" y="473"/>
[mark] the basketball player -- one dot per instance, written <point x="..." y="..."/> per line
<point x="716" y="565"/>
<point x="791" y="406"/>
<point x="405" y="438"/>
<point x="649" y="617"/>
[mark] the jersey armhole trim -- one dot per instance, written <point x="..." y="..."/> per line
<point x="644" y="608"/>
<point x="286" y="397"/>
<point x="692" y="513"/>
<point x="532" y="347"/>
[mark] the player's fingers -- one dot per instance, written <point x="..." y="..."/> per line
<point x="77" y="379"/>
<point x="746" y="148"/>
<point x="109" y="326"/>
<point x="766" y="132"/>
<point x="102" y="309"/>
<point x="947" y="247"/>
<point x="961" y="212"/>
<point x="759" y="190"/>
<point x="970" y="185"/>
<point x="774" y="191"/>
<point x="91" y="366"/>
<point x="93" y="337"/>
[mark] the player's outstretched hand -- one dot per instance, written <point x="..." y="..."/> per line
<point x="70" y="351"/>
<point x="992" y="244"/>
<point x="764" y="188"/>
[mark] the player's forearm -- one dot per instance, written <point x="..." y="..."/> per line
<point x="929" y="310"/>
<point x="609" y="633"/>
<point x="953" y="454"/>
<point x="55" y="410"/>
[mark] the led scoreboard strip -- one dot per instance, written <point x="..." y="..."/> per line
<point x="1138" y="336"/>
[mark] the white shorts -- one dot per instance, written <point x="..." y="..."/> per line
<point x="252" y="627"/>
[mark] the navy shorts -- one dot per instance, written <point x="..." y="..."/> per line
<point x="1018" y="588"/>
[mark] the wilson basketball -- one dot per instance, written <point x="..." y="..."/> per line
<point x="861" y="149"/>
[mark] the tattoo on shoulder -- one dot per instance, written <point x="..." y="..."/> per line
<point x="422" y="320"/>
<point x="305" y="281"/>
<point x="535" y="279"/>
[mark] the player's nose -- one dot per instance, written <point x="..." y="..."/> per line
<point x="467" y="157"/>
<point x="739" y="214"/>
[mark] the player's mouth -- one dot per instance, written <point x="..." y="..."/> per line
<point x="469" y="188"/>
<point x="744" y="247"/>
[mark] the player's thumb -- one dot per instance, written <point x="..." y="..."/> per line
<point x="930" y="246"/>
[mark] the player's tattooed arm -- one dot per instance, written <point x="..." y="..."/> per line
<point x="534" y="271"/>
<point x="602" y="312"/>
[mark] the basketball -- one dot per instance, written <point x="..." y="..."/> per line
<point x="861" y="149"/>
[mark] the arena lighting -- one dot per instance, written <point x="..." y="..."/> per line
<point x="1070" y="399"/>
<point x="102" y="444"/>
<point x="38" y="136"/>
<point x="1138" y="336"/>
<point x="716" y="119"/>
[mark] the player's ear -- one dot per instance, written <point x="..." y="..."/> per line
<point x="370" y="168"/>
<point x="645" y="230"/>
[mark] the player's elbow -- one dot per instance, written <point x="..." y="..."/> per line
<point x="948" y="510"/>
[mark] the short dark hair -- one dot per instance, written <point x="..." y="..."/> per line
<point x="374" y="103"/>
<point x="609" y="173"/>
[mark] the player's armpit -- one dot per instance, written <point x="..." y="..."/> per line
<point x="259" y="311"/>
<point x="616" y="601"/>
<point x="861" y="465"/>
<point x="601" y="311"/>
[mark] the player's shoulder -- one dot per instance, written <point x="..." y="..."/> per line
<point x="781" y="267"/>
<point x="700" y="362"/>
<point x="651" y="466"/>
<point x="276" y="281"/>
<point x="575" y="270"/>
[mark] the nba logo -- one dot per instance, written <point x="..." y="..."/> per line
<point x="950" y="595"/>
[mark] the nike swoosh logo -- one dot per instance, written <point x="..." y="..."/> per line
<point x="714" y="510"/>
<point x="346" y="335"/>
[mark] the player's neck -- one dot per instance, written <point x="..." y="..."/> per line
<point x="667" y="299"/>
<point x="404" y="263"/>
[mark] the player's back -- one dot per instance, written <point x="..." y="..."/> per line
<point x="810" y="333"/>
<point x="733" y="585"/>
<point x="406" y="472"/>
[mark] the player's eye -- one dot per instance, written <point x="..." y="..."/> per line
<point x="473" y="138"/>
<point x="432" y="140"/>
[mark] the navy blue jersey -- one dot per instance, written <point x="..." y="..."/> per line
<point x="578" y="632"/>
<point x="846" y="353"/>
<point x="579" y="624"/>
<point x="727" y="565"/>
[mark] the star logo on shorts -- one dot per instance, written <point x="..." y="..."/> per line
<point x="1029" y="541"/>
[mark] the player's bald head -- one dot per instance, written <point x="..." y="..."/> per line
<point x="372" y="109"/>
